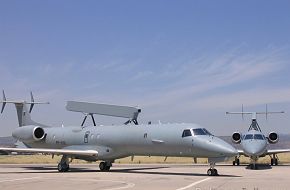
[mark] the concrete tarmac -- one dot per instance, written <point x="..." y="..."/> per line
<point x="144" y="176"/>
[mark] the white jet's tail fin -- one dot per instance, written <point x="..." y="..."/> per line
<point x="23" y="113"/>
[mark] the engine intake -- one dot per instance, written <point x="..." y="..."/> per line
<point x="273" y="138"/>
<point x="38" y="133"/>
<point x="236" y="137"/>
<point x="29" y="133"/>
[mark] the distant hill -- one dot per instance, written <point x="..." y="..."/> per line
<point x="7" y="141"/>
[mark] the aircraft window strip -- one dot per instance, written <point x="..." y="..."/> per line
<point x="258" y="137"/>
<point x="248" y="136"/>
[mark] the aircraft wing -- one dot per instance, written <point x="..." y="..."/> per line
<point x="52" y="151"/>
<point x="277" y="151"/>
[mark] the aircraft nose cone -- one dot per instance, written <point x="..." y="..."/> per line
<point x="226" y="149"/>
<point x="221" y="148"/>
<point x="253" y="150"/>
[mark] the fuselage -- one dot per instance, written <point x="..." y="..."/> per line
<point x="117" y="141"/>
<point x="254" y="144"/>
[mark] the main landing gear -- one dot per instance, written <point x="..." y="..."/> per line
<point x="212" y="171"/>
<point x="63" y="166"/>
<point x="274" y="160"/>
<point x="236" y="161"/>
<point x="105" y="166"/>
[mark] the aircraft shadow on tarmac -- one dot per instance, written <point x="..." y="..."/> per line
<point x="133" y="170"/>
<point x="260" y="167"/>
<point x="141" y="171"/>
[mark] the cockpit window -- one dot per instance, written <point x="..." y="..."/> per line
<point x="186" y="133"/>
<point x="258" y="137"/>
<point x="249" y="136"/>
<point x="207" y="132"/>
<point x="201" y="131"/>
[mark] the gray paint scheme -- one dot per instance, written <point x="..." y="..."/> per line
<point x="255" y="148"/>
<point x="112" y="142"/>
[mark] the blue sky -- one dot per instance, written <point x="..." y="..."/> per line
<point x="180" y="61"/>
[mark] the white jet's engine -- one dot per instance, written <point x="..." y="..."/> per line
<point x="29" y="133"/>
<point x="236" y="137"/>
<point x="273" y="138"/>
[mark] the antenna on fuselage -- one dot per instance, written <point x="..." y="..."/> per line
<point x="90" y="108"/>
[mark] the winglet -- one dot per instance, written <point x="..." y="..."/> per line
<point x="32" y="102"/>
<point x="4" y="101"/>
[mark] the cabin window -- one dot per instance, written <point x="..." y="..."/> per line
<point x="186" y="133"/>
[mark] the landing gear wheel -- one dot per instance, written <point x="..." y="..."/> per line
<point x="209" y="172"/>
<point x="104" y="166"/>
<point x="276" y="161"/>
<point x="212" y="172"/>
<point x="63" y="167"/>
<point x="272" y="161"/>
<point x="238" y="162"/>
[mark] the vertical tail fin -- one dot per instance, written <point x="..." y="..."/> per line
<point x="23" y="114"/>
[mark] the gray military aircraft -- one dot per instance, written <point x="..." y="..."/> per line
<point x="254" y="143"/>
<point x="108" y="143"/>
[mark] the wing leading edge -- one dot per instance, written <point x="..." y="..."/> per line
<point x="53" y="151"/>
<point x="277" y="151"/>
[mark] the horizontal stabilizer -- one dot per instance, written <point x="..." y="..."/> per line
<point x="103" y="109"/>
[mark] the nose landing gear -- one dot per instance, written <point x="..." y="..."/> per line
<point x="105" y="166"/>
<point x="212" y="171"/>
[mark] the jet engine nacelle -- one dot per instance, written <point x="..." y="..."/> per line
<point x="236" y="137"/>
<point x="29" y="133"/>
<point x="273" y="138"/>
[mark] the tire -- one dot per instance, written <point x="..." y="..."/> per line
<point x="209" y="172"/>
<point x="276" y="162"/>
<point x="62" y="167"/>
<point x="59" y="168"/>
<point x="215" y="172"/>
<point x="238" y="162"/>
<point x="272" y="161"/>
<point x="102" y="166"/>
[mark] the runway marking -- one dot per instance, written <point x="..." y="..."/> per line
<point x="193" y="184"/>
<point x="128" y="185"/>
<point x="19" y="179"/>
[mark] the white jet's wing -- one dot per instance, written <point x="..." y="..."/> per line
<point x="52" y="151"/>
<point x="277" y="151"/>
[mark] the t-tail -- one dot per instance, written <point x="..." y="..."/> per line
<point x="24" y="117"/>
